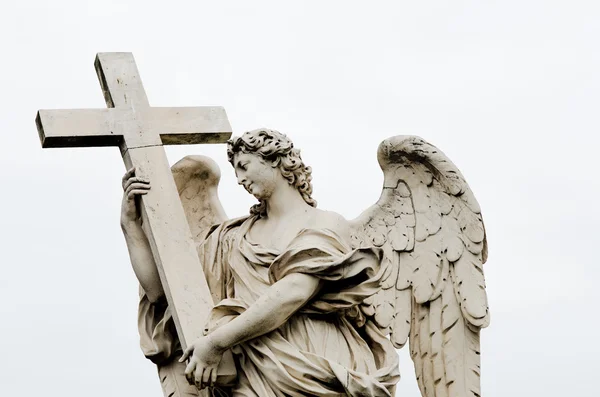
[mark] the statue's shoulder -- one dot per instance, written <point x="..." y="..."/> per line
<point x="331" y="220"/>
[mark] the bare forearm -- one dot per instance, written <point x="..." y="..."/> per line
<point x="142" y="261"/>
<point x="269" y="312"/>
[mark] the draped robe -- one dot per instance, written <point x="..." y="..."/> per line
<point x="325" y="349"/>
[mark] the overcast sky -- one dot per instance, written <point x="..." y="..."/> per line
<point x="509" y="90"/>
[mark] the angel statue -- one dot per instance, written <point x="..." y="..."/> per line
<point x="310" y="304"/>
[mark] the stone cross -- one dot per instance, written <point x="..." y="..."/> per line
<point x="140" y="131"/>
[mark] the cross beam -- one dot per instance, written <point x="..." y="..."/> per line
<point x="140" y="131"/>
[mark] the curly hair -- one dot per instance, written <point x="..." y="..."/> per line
<point x="279" y="151"/>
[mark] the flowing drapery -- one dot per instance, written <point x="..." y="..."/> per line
<point x="321" y="350"/>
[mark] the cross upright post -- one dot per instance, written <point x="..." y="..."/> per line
<point x="140" y="131"/>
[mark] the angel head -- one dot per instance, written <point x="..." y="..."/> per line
<point x="262" y="159"/>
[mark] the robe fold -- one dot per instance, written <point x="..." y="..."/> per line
<point x="325" y="349"/>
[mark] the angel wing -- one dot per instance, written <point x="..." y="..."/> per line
<point x="197" y="179"/>
<point x="430" y="228"/>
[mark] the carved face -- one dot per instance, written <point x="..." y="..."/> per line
<point x="257" y="176"/>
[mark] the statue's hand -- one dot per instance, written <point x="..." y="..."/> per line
<point x="132" y="187"/>
<point x="204" y="357"/>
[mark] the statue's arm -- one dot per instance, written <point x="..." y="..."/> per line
<point x="269" y="312"/>
<point x="138" y="246"/>
<point x="142" y="261"/>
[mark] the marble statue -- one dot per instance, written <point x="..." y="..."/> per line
<point x="309" y="303"/>
<point x="290" y="300"/>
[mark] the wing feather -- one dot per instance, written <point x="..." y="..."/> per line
<point x="415" y="347"/>
<point x="425" y="350"/>
<point x="402" y="317"/>
<point x="437" y="347"/>
<point x="461" y="350"/>
<point x="469" y="286"/>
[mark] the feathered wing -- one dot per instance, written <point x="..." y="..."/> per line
<point x="430" y="228"/>
<point x="197" y="179"/>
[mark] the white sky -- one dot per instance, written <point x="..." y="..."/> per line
<point x="509" y="90"/>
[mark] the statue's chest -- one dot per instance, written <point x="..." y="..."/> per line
<point x="276" y="237"/>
